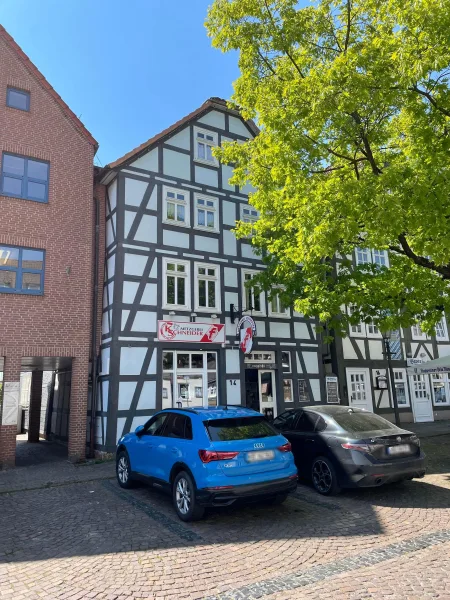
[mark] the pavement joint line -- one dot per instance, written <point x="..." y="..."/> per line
<point x="54" y="484"/>
<point x="158" y="516"/>
<point x="327" y="570"/>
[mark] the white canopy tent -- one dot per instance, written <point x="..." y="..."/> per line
<point x="438" y="365"/>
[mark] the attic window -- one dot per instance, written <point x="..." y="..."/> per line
<point x="204" y="143"/>
<point x="18" y="99"/>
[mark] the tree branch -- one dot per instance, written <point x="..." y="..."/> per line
<point x="268" y="64"/>
<point x="349" y="22"/>
<point x="430" y="98"/>
<point x="421" y="261"/>
<point x="367" y="149"/>
<point x="274" y="25"/>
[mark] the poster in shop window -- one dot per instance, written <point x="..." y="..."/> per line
<point x="202" y="333"/>
<point x="331" y="384"/>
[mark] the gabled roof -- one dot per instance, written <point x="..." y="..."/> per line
<point x="211" y="103"/>
<point x="31" y="68"/>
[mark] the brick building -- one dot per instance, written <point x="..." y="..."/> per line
<point x="47" y="246"/>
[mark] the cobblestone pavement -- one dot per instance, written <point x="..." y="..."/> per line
<point x="71" y="533"/>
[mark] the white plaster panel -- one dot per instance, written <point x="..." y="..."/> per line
<point x="105" y="358"/>
<point x="126" y="391"/>
<point x="214" y="118"/>
<point x="134" y="264"/>
<point x="315" y="388"/>
<point x="120" y="425"/>
<point x="362" y="348"/>
<point x="129" y="291"/>
<point x="11" y="391"/>
<point x="112" y="193"/>
<point x="299" y="364"/>
<point x="206" y="176"/>
<point x="229" y="213"/>
<point x="110" y="266"/>
<point x="105" y="323"/>
<point x="311" y="362"/>
<point x="146" y="232"/>
<point x="131" y="359"/>
<point x="231" y="298"/>
<point x="206" y="244"/>
<point x="230" y="328"/>
<point x="248" y="251"/>
<point x="182" y="318"/>
<point x="147" y="400"/>
<point x="150" y="294"/>
<point x="175" y="238"/>
<point x="233" y="391"/>
<point x="128" y="222"/>
<point x="144" y="321"/>
<point x="142" y="420"/>
<point x="153" y="201"/>
<point x="232" y="361"/>
<point x="443" y="350"/>
<point x="152" y="365"/>
<point x="230" y="277"/>
<point x="109" y="233"/>
<point x="348" y="350"/>
<point x="176" y="164"/>
<point x="108" y="291"/>
<point x="125" y="314"/>
<point x="375" y="350"/>
<point x="301" y="331"/>
<point x="260" y="329"/>
<point x="229" y="243"/>
<point x="238" y="127"/>
<point x="227" y="173"/>
<point x="149" y="161"/>
<point x="280" y="330"/>
<point x="182" y="139"/>
<point x="154" y="269"/>
<point x="134" y="191"/>
<point x="247" y="189"/>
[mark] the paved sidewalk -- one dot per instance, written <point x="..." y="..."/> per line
<point x="424" y="430"/>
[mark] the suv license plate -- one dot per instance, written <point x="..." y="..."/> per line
<point x="401" y="449"/>
<point x="261" y="455"/>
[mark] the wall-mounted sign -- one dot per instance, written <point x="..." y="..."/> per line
<point x="266" y="366"/>
<point x="331" y="385"/>
<point x="245" y="331"/>
<point x="202" y="333"/>
<point x="414" y="362"/>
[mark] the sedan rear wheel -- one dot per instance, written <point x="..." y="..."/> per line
<point x="324" y="477"/>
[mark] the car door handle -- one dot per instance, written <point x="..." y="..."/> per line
<point x="175" y="450"/>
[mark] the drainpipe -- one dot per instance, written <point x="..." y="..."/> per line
<point x="94" y="375"/>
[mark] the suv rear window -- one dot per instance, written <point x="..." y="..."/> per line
<point x="355" y="422"/>
<point x="223" y="430"/>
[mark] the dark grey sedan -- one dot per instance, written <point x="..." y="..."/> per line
<point x="339" y="446"/>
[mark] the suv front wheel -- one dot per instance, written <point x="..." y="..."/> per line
<point x="184" y="501"/>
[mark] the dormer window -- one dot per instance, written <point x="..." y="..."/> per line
<point x="204" y="143"/>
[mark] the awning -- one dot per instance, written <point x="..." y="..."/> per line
<point x="438" y="365"/>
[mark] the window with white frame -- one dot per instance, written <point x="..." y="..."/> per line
<point x="254" y="298"/>
<point x="441" y="330"/>
<point x="205" y="141"/>
<point x="358" y="329"/>
<point x="417" y="332"/>
<point x="366" y="255"/>
<point x="249" y="214"/>
<point x="276" y="305"/>
<point x="189" y="379"/>
<point x="176" y="283"/>
<point x="176" y="206"/>
<point x="372" y="330"/>
<point x="401" y="387"/>
<point x="286" y="361"/>
<point x="207" y="288"/>
<point x="206" y="213"/>
<point x="440" y="382"/>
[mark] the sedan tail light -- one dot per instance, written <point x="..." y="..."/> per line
<point x="357" y="447"/>
<point x="207" y="456"/>
<point x="285" y="447"/>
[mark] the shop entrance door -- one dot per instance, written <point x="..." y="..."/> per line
<point x="267" y="394"/>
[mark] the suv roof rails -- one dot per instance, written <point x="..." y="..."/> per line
<point x="191" y="410"/>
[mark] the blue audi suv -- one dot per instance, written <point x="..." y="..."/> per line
<point x="208" y="457"/>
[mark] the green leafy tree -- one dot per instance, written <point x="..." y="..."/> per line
<point x="353" y="101"/>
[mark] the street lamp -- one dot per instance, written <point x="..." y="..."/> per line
<point x="388" y="354"/>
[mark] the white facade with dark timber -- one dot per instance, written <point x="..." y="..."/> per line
<point x="171" y="255"/>
<point x="361" y="366"/>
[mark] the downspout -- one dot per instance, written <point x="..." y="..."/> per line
<point x="94" y="376"/>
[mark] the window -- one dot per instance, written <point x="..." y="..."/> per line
<point x="189" y="379"/>
<point x="25" y="178"/>
<point x="254" y="299"/>
<point x="401" y="387"/>
<point x="206" y="213"/>
<point x="357" y="329"/>
<point x="156" y="425"/>
<point x="286" y="362"/>
<point x="266" y="357"/>
<point x="18" y="99"/>
<point x="441" y="330"/>
<point x="178" y="426"/>
<point x="287" y="390"/>
<point x="176" y="289"/>
<point x="207" y="288"/>
<point x="306" y="422"/>
<point x="372" y="329"/>
<point x="243" y="428"/>
<point x="359" y="422"/>
<point x="286" y="420"/>
<point x="417" y="332"/>
<point x="303" y="394"/>
<point x="440" y="382"/>
<point x="366" y="256"/>
<point x="204" y="143"/>
<point x="21" y="270"/>
<point x="276" y="305"/>
<point x="176" y="206"/>
<point x="249" y="214"/>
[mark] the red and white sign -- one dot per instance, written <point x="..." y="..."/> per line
<point x="246" y="329"/>
<point x="203" y="333"/>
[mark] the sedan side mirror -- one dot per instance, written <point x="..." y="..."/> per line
<point x="139" y="430"/>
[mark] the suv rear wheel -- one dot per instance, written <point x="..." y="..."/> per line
<point x="184" y="500"/>
<point x="123" y="470"/>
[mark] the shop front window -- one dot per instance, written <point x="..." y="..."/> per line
<point x="189" y="379"/>
<point x="440" y="388"/>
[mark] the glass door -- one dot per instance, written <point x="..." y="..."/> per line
<point x="267" y="394"/>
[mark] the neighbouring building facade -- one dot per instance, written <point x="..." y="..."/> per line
<point x="46" y="250"/>
<point x="175" y="287"/>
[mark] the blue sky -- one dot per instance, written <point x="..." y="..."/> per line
<point x="128" y="68"/>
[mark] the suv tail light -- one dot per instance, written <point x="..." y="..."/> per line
<point x="285" y="447"/>
<point x="207" y="456"/>
<point x="357" y="447"/>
